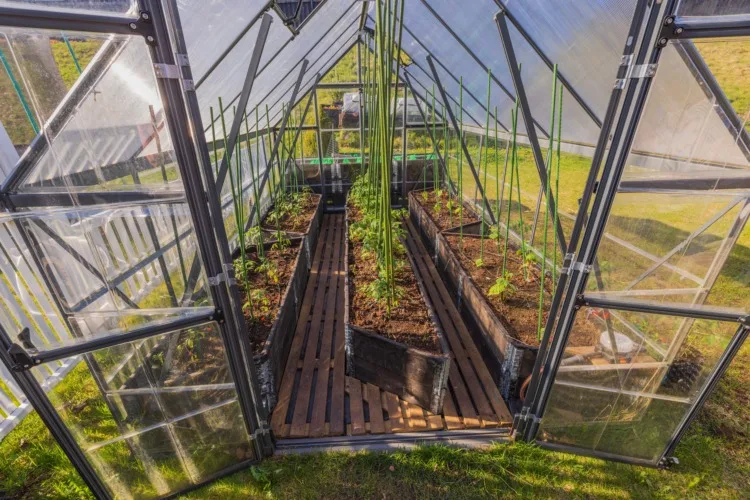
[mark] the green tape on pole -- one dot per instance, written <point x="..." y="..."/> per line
<point x="19" y="93"/>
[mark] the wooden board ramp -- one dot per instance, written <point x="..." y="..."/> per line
<point x="317" y="399"/>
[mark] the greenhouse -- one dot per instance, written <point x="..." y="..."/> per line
<point x="236" y="229"/>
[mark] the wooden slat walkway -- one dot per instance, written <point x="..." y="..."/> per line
<point x="318" y="399"/>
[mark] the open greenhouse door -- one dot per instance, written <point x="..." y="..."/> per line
<point x="124" y="326"/>
<point x="636" y="352"/>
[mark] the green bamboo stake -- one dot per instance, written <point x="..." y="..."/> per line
<point x="272" y="185"/>
<point x="497" y="179"/>
<point x="548" y="192"/>
<point x="72" y="53"/>
<point x="461" y="165"/>
<point x="513" y="116"/>
<point x="557" y="186"/>
<point x="435" y="173"/>
<point x="19" y="93"/>
<point x="213" y="135"/>
<point x="255" y="165"/>
<point x="486" y="163"/>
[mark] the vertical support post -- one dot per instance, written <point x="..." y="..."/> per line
<point x="456" y="127"/>
<point x="361" y="102"/>
<point x="528" y="119"/>
<point x="184" y="121"/>
<point x="321" y="167"/>
<point x="280" y="134"/>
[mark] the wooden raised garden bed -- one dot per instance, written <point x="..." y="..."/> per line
<point x="405" y="354"/>
<point x="509" y="332"/>
<point x="272" y="329"/>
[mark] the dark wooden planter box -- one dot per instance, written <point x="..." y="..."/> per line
<point x="413" y="375"/>
<point x="271" y="361"/>
<point x="509" y="360"/>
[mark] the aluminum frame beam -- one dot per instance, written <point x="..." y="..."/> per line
<point x="528" y="119"/>
<point x="247" y="87"/>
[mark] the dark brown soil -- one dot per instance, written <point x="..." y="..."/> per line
<point x="443" y="218"/>
<point x="301" y="222"/>
<point x="409" y="321"/>
<point x="519" y="311"/>
<point x="265" y="310"/>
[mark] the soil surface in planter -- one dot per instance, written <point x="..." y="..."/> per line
<point x="266" y="308"/>
<point x="442" y="218"/>
<point x="519" y="311"/>
<point x="409" y="322"/>
<point x="297" y="223"/>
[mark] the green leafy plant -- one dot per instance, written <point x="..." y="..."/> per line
<point x="503" y="287"/>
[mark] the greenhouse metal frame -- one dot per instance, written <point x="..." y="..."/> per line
<point x="200" y="229"/>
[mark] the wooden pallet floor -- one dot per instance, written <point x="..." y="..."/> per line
<point x="316" y="397"/>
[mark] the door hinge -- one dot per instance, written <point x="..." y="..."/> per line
<point x="174" y="72"/>
<point x="636" y="71"/>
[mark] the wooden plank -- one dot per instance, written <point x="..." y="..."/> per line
<point x="329" y="266"/>
<point x="377" y="425"/>
<point x="278" y="417"/>
<point x="356" y="409"/>
<point x="455" y="379"/>
<point x="395" y="415"/>
<point x="339" y="358"/>
<point x="318" y="418"/>
<point x="434" y="422"/>
<point x="452" y="420"/>
<point x="492" y="393"/>
<point x="415" y="415"/>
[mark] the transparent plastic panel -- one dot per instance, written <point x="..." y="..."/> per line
<point x="155" y="415"/>
<point x="103" y="127"/>
<point x="93" y="6"/>
<point x="114" y="269"/>
<point x="321" y="57"/>
<point x="704" y="8"/>
<point x="678" y="232"/>
<point x="210" y="28"/>
<point x="629" y="399"/>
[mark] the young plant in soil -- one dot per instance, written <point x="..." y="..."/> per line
<point x="386" y="295"/>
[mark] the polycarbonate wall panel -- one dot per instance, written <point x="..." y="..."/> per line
<point x="156" y="415"/>
<point x="331" y="42"/>
<point x="678" y="232"/>
<point x="117" y="268"/>
<point x="227" y="79"/>
<point x="633" y="406"/>
<point x="84" y="6"/>
<point x="108" y="133"/>
<point x="703" y="8"/>
<point x="210" y="28"/>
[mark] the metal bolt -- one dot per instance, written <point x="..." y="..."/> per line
<point x="150" y="39"/>
<point x="145" y="16"/>
<point x="133" y="26"/>
<point x="677" y="31"/>
<point x="663" y="42"/>
<point x="668" y="21"/>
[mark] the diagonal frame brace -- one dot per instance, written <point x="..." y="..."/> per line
<point x="441" y="161"/>
<point x="282" y="128"/>
<point x="528" y="119"/>
<point x="247" y="87"/>
<point x="457" y="129"/>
